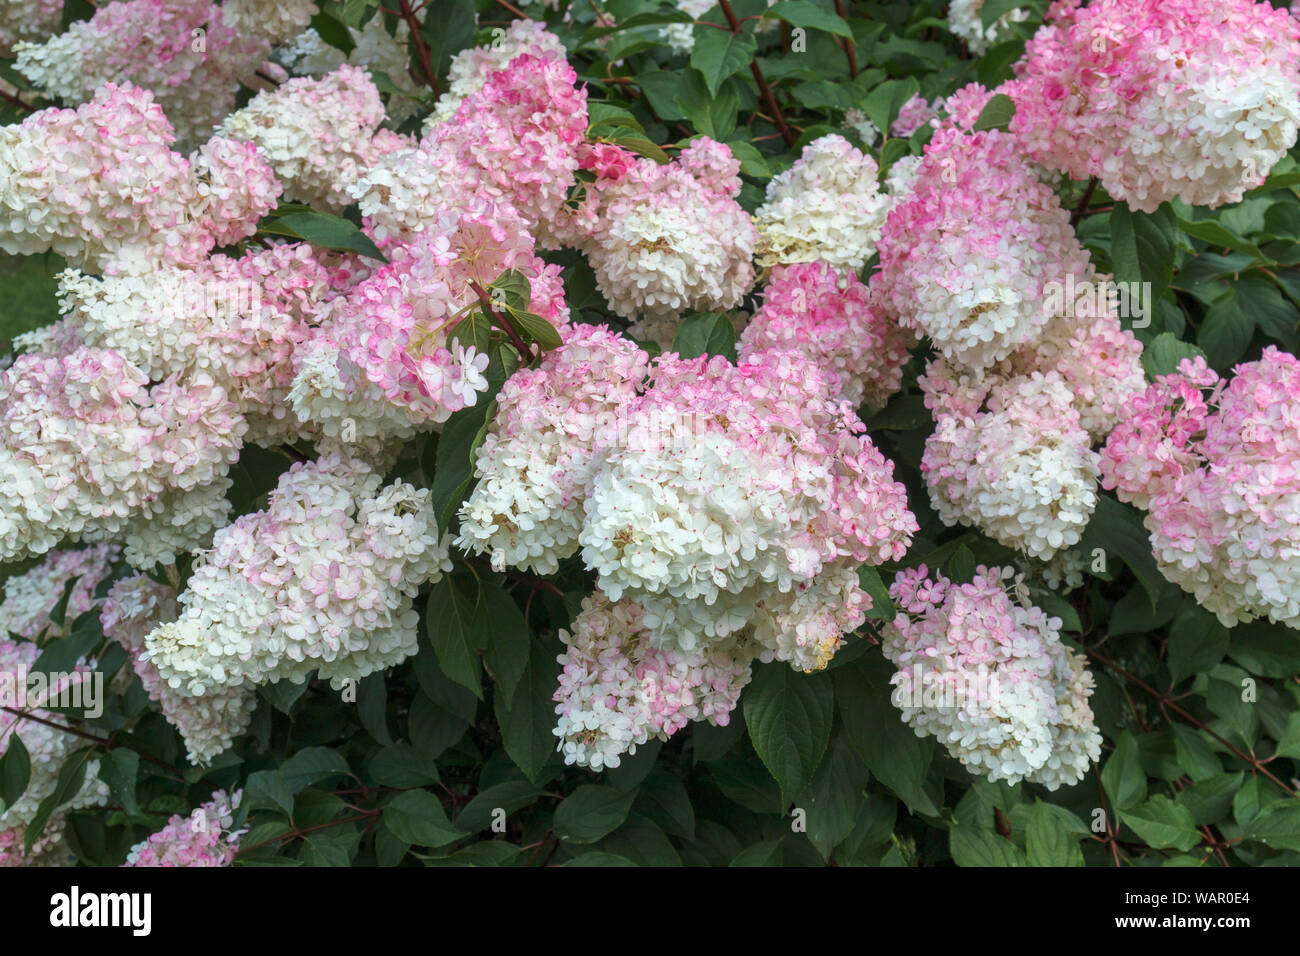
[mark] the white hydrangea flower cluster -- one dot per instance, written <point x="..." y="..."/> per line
<point x="965" y="21"/>
<point x="827" y="206"/>
<point x="322" y="580"/>
<point x="48" y="749"/>
<point x="319" y="135"/>
<point x="672" y="238"/>
<point x="1010" y="458"/>
<point x="89" y="450"/>
<point x="618" y="690"/>
<point x="209" y="724"/>
<point x="28" y="20"/>
<point x="277" y="20"/>
<point x="539" y="455"/>
<point x="990" y="679"/>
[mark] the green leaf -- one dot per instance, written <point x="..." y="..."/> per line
<point x="766" y="853"/>
<point x="1227" y="330"/>
<point x="372" y="707"/>
<point x="59" y="614"/>
<point x="1277" y="826"/>
<point x="119" y="768"/>
<point x="1210" y="800"/>
<point x="456" y="629"/>
<point x="71" y="776"/>
<point x="448" y="28"/>
<point x="891" y="750"/>
<point x="509" y="797"/>
<point x="1219" y="236"/>
<point x="706" y="333"/>
<point x="1197" y="641"/>
<point x="972" y="847"/>
<point x="1161" y="823"/>
<point x="401" y="765"/>
<point x="1123" y="778"/>
<point x="1194" y="753"/>
<point x="527" y="721"/>
<point x="454" y="459"/>
<point x="663" y="798"/>
<point x="534" y="328"/>
<point x="789" y="718"/>
<point x="282" y="695"/>
<point x="833" y="799"/>
<point x="417" y="817"/>
<point x="270" y="788"/>
<point x="712" y="115"/>
<point x="752" y="162"/>
<point x="1118" y="530"/>
<point x="591" y="812"/>
<point x="15" y="771"/>
<point x="718" y="54"/>
<point x="884" y="102"/>
<point x="994" y="10"/>
<point x="1048" y="841"/>
<point x="882" y="606"/>
<point x="803" y="13"/>
<point x="311" y="765"/>
<point x="324" y="230"/>
<point x="508" y="637"/>
<point x="645" y="19"/>
<point x="334" y="32"/>
<point x="997" y="113"/>
<point x="1162" y="354"/>
<point x="1142" y="247"/>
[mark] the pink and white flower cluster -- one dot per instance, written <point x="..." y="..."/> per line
<point x="208" y="724"/>
<point x="1216" y="466"/>
<point x="31" y="596"/>
<point x="1161" y="100"/>
<point x="322" y="580"/>
<point x="204" y="838"/>
<point x="990" y="679"/>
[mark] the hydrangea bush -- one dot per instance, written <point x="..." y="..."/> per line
<point x="649" y="432"/>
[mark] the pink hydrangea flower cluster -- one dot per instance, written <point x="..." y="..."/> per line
<point x="239" y="321"/>
<point x="618" y="690"/>
<point x="827" y="207"/>
<point x="542" y="449"/>
<point x="204" y="838"/>
<point x="89" y="450"/>
<point x="1216" y="466"/>
<point x="915" y="113"/>
<point x="394" y="331"/>
<point x="182" y="50"/>
<point x="717" y="489"/>
<point x="664" y="239"/>
<point x="967" y="255"/>
<point x="319" y="135"/>
<point x="47" y="748"/>
<point x="31" y="596"/>
<point x="1180" y="98"/>
<point x="101" y="186"/>
<point x="322" y="580"/>
<point x="990" y="678"/>
<point x="514" y="142"/>
<point x="209" y="724"/>
<point x="812" y="309"/>
<point x="276" y="20"/>
<point x="1010" y="457"/>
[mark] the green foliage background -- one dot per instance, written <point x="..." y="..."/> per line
<point x="813" y="769"/>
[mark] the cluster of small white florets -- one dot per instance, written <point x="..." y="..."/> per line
<point x="1010" y="458"/>
<point x="322" y="580"/>
<point x="319" y="135"/>
<point x="239" y="321"/>
<point x="277" y="20"/>
<point x="29" y="20"/>
<point x="208" y="724"/>
<point x="716" y="489"/>
<point x="990" y="679"/>
<point x="827" y="206"/>
<point x="47" y="748"/>
<point x="618" y="690"/>
<point x="89" y="450"/>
